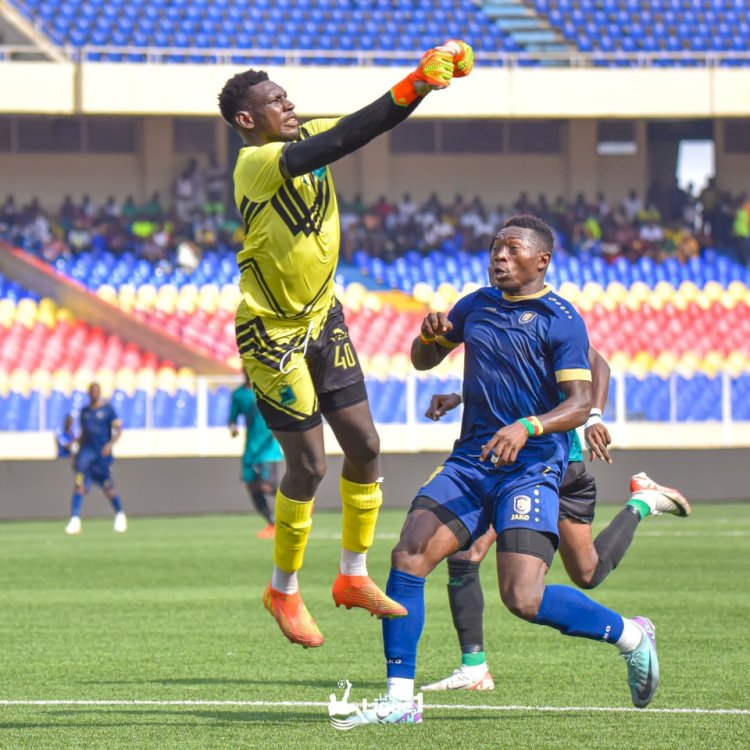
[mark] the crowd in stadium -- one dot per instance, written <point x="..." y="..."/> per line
<point x="660" y="224"/>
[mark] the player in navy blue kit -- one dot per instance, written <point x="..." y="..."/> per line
<point x="66" y="438"/>
<point x="526" y="384"/>
<point x="100" y="430"/>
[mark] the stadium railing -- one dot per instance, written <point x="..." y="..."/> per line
<point x="567" y="58"/>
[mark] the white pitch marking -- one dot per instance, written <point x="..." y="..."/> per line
<point x="441" y="706"/>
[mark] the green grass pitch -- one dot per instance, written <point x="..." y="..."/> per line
<point x="157" y="639"/>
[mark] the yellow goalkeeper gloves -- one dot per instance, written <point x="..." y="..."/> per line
<point x="434" y="71"/>
<point x="463" y="57"/>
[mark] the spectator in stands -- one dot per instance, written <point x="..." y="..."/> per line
<point x="214" y="186"/>
<point x="111" y="209"/>
<point x="129" y="209"/>
<point x="152" y="208"/>
<point x="709" y="200"/>
<point x="741" y="228"/>
<point x="632" y="206"/>
<point x="186" y="191"/>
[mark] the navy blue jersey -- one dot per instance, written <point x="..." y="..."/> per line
<point x="517" y="352"/>
<point x="65" y="440"/>
<point x="96" y="427"/>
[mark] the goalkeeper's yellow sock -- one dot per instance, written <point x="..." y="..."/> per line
<point x="293" y="524"/>
<point x="360" y="505"/>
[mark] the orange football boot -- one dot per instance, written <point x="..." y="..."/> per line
<point x="294" y="620"/>
<point x="361" y="591"/>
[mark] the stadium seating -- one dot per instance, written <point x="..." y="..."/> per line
<point x="48" y="359"/>
<point x="267" y="32"/>
<point x="681" y="28"/>
<point x="675" y="334"/>
<point x="272" y="32"/>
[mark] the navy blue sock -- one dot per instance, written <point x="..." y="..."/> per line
<point x="116" y="504"/>
<point x="572" y="613"/>
<point x="401" y="635"/>
<point x="75" y="509"/>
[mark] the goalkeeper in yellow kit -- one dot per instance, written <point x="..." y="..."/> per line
<point x="290" y="327"/>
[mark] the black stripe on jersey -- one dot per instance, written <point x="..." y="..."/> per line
<point x="292" y="209"/>
<point x="320" y="204"/>
<point x="250" y="209"/>
<point x="317" y="296"/>
<point x="254" y="268"/>
<point x="304" y="133"/>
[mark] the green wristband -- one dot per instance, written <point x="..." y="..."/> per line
<point x="529" y="427"/>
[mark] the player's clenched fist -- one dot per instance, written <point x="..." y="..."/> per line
<point x="463" y="56"/>
<point x="435" y="70"/>
<point x="435" y="324"/>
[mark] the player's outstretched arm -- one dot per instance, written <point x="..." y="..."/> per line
<point x="434" y="71"/>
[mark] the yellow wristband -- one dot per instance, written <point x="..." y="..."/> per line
<point x="427" y="340"/>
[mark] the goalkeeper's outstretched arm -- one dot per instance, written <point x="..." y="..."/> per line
<point x="435" y="70"/>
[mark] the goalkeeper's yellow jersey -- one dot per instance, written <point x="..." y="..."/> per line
<point x="292" y="233"/>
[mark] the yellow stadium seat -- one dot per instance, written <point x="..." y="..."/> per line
<point x="400" y="366"/>
<point x="20" y="382"/>
<point x="145" y="380"/>
<point x="422" y="292"/>
<point x="664" y="291"/>
<point x="41" y="380"/>
<point x="379" y="366"/>
<point x="737" y="290"/>
<point x="570" y="292"/>
<point x="62" y="381"/>
<point x="713" y="290"/>
<point x="4" y="383"/>
<point x="7" y="312"/>
<point x="108" y="294"/>
<point x="166" y="380"/>
<point x="185" y="380"/>
<point x="82" y="379"/>
<point x="689" y="363"/>
<point x="619" y="362"/>
<point x="125" y="381"/>
<point x="688" y="290"/>
<point x="372" y="301"/>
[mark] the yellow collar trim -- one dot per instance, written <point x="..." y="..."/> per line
<point x="520" y="297"/>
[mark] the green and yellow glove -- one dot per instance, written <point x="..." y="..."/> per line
<point x="463" y="57"/>
<point x="435" y="70"/>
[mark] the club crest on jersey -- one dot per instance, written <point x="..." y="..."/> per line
<point x="521" y="508"/>
<point x="527" y="317"/>
<point x="338" y="334"/>
<point x="286" y="395"/>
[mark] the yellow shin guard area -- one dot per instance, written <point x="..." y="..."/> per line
<point x="293" y="523"/>
<point x="360" y="505"/>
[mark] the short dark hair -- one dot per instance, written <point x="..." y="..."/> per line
<point x="234" y="96"/>
<point x="527" y="221"/>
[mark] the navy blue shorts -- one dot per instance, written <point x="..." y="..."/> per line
<point x="522" y="496"/>
<point x="93" y="468"/>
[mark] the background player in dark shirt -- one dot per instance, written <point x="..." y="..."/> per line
<point x="100" y="430"/>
